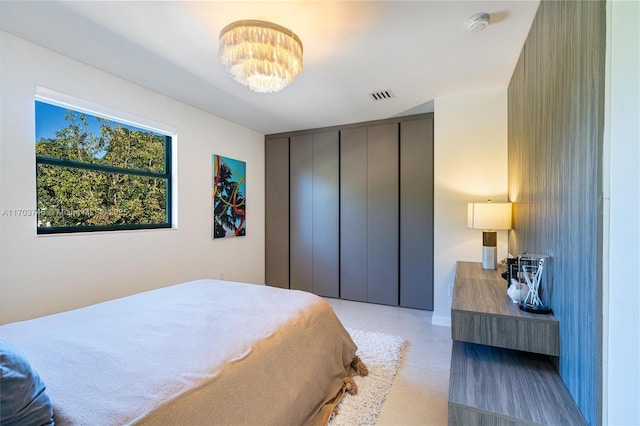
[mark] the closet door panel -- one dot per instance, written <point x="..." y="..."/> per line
<point x="353" y="214"/>
<point x="301" y="213"/>
<point x="325" y="214"/>
<point x="416" y="213"/>
<point x="383" y="215"/>
<point x="277" y="212"/>
<point x="349" y="212"/>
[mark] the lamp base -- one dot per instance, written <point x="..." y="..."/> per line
<point x="489" y="249"/>
<point x="489" y="255"/>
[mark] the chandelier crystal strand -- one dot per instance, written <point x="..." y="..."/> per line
<point x="260" y="55"/>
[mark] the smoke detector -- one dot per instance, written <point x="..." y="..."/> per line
<point x="478" y="22"/>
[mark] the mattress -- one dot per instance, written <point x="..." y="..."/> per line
<point x="196" y="353"/>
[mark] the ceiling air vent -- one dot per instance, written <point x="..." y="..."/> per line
<point x="381" y="95"/>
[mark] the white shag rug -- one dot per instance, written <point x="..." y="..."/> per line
<point x="381" y="353"/>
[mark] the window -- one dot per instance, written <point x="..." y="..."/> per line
<point x="98" y="174"/>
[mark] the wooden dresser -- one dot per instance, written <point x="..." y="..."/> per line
<point x="502" y="361"/>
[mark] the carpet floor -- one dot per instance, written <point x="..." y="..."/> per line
<point x="381" y="353"/>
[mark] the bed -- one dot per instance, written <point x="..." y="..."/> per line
<point x="196" y="353"/>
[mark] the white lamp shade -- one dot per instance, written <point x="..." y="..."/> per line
<point x="489" y="216"/>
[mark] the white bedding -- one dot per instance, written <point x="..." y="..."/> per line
<point x="202" y="352"/>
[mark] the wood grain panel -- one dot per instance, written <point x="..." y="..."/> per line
<point x="481" y="312"/>
<point x="494" y="386"/>
<point x="555" y="99"/>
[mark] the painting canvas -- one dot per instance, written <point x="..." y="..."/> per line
<point x="229" y="204"/>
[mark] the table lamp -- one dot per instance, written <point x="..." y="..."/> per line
<point x="489" y="217"/>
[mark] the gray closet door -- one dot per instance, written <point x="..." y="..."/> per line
<point x="277" y="212"/>
<point x="416" y="213"/>
<point x="314" y="223"/>
<point x="353" y="214"/>
<point x="383" y="215"/>
<point x="359" y="212"/>
<point x="325" y="212"/>
<point x="301" y="213"/>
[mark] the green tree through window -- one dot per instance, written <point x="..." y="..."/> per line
<point x="97" y="174"/>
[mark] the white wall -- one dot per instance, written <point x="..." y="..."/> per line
<point x="470" y="165"/>
<point x="621" y="293"/>
<point x="46" y="274"/>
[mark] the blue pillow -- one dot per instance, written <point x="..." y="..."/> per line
<point x="22" y="398"/>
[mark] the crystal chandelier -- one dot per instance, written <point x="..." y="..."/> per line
<point x="260" y="55"/>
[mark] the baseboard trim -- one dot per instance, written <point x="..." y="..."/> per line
<point x="441" y="320"/>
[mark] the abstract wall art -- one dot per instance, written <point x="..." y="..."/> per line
<point x="229" y="204"/>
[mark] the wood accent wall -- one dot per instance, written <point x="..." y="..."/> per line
<point x="556" y="114"/>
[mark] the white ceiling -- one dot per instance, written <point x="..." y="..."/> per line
<point x="420" y="50"/>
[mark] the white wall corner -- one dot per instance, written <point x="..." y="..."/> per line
<point x="470" y="165"/>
